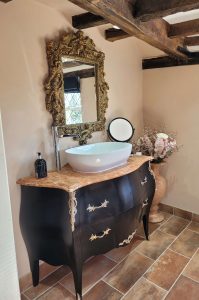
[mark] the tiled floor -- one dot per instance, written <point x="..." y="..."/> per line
<point x="166" y="267"/>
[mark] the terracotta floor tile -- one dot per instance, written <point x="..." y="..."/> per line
<point x="174" y="226"/>
<point x="159" y="241"/>
<point x="182" y="213"/>
<point x="192" y="270"/>
<point x="119" y="253"/>
<point x="166" y="216"/>
<point x="102" y="291"/>
<point x="93" y="270"/>
<point x="58" y="292"/>
<point x="166" y="269"/>
<point x="23" y="297"/>
<point x="44" y="270"/>
<point x="145" y="290"/>
<point x="128" y="271"/>
<point x="184" y="289"/>
<point x="187" y="243"/>
<point x="33" y="292"/>
<point x="152" y="228"/>
<point x="194" y="226"/>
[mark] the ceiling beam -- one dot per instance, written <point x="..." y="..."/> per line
<point x="120" y="13"/>
<point x="184" y="29"/>
<point x="87" y="20"/>
<point x="113" y="34"/>
<point x="166" y="62"/>
<point x="191" y="41"/>
<point x="146" y="10"/>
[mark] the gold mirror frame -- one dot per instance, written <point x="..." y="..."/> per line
<point x="78" y="46"/>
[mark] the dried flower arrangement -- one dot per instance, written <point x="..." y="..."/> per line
<point x="157" y="144"/>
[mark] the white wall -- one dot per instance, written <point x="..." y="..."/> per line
<point x="9" y="286"/>
<point x="25" y="24"/>
<point x="171" y="96"/>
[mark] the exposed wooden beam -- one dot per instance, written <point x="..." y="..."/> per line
<point x="184" y="29"/>
<point x="146" y="10"/>
<point x="87" y="20"/>
<point x="120" y="13"/>
<point x="191" y="41"/>
<point x="166" y="62"/>
<point x="113" y="34"/>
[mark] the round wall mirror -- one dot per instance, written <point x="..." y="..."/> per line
<point x="120" y="130"/>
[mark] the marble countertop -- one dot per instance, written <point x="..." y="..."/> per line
<point x="69" y="180"/>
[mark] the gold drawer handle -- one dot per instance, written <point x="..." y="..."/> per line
<point x="93" y="208"/>
<point x="145" y="203"/>
<point x="128" y="240"/>
<point x="144" y="182"/>
<point x="95" y="237"/>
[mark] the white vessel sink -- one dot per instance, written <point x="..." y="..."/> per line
<point x="98" y="157"/>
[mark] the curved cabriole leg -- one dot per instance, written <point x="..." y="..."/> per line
<point x="146" y="226"/>
<point x="77" y="274"/>
<point x="34" y="266"/>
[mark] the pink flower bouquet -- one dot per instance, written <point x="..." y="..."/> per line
<point x="157" y="144"/>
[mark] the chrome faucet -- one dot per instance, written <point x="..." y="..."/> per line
<point x="80" y="136"/>
<point x="56" y="138"/>
<point x="57" y="147"/>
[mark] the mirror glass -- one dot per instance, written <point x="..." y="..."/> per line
<point x="120" y="130"/>
<point x="80" y="99"/>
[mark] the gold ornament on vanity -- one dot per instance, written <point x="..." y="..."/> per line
<point x="74" y="55"/>
<point x="160" y="146"/>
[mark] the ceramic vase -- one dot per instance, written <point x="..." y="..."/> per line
<point x="155" y="216"/>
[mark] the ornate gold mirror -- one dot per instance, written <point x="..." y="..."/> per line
<point x="76" y="91"/>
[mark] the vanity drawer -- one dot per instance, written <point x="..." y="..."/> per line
<point x="97" y="238"/>
<point x="126" y="226"/>
<point x="147" y="183"/>
<point x="103" y="200"/>
<point x="148" y="188"/>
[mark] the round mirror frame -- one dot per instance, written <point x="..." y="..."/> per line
<point x="114" y="139"/>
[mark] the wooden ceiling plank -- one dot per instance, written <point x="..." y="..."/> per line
<point x="120" y="13"/>
<point x="87" y="20"/>
<point x="113" y="34"/>
<point x="146" y="10"/>
<point x="166" y="62"/>
<point x="191" y="41"/>
<point x="184" y="29"/>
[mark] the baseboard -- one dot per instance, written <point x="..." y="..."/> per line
<point x="179" y="212"/>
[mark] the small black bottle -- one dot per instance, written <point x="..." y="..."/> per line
<point x="40" y="167"/>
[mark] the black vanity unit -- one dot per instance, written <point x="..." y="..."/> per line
<point x="66" y="228"/>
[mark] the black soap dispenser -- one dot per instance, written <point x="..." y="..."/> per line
<point x="40" y="167"/>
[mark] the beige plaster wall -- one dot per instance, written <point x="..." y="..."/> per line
<point x="25" y="24"/>
<point x="171" y="96"/>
